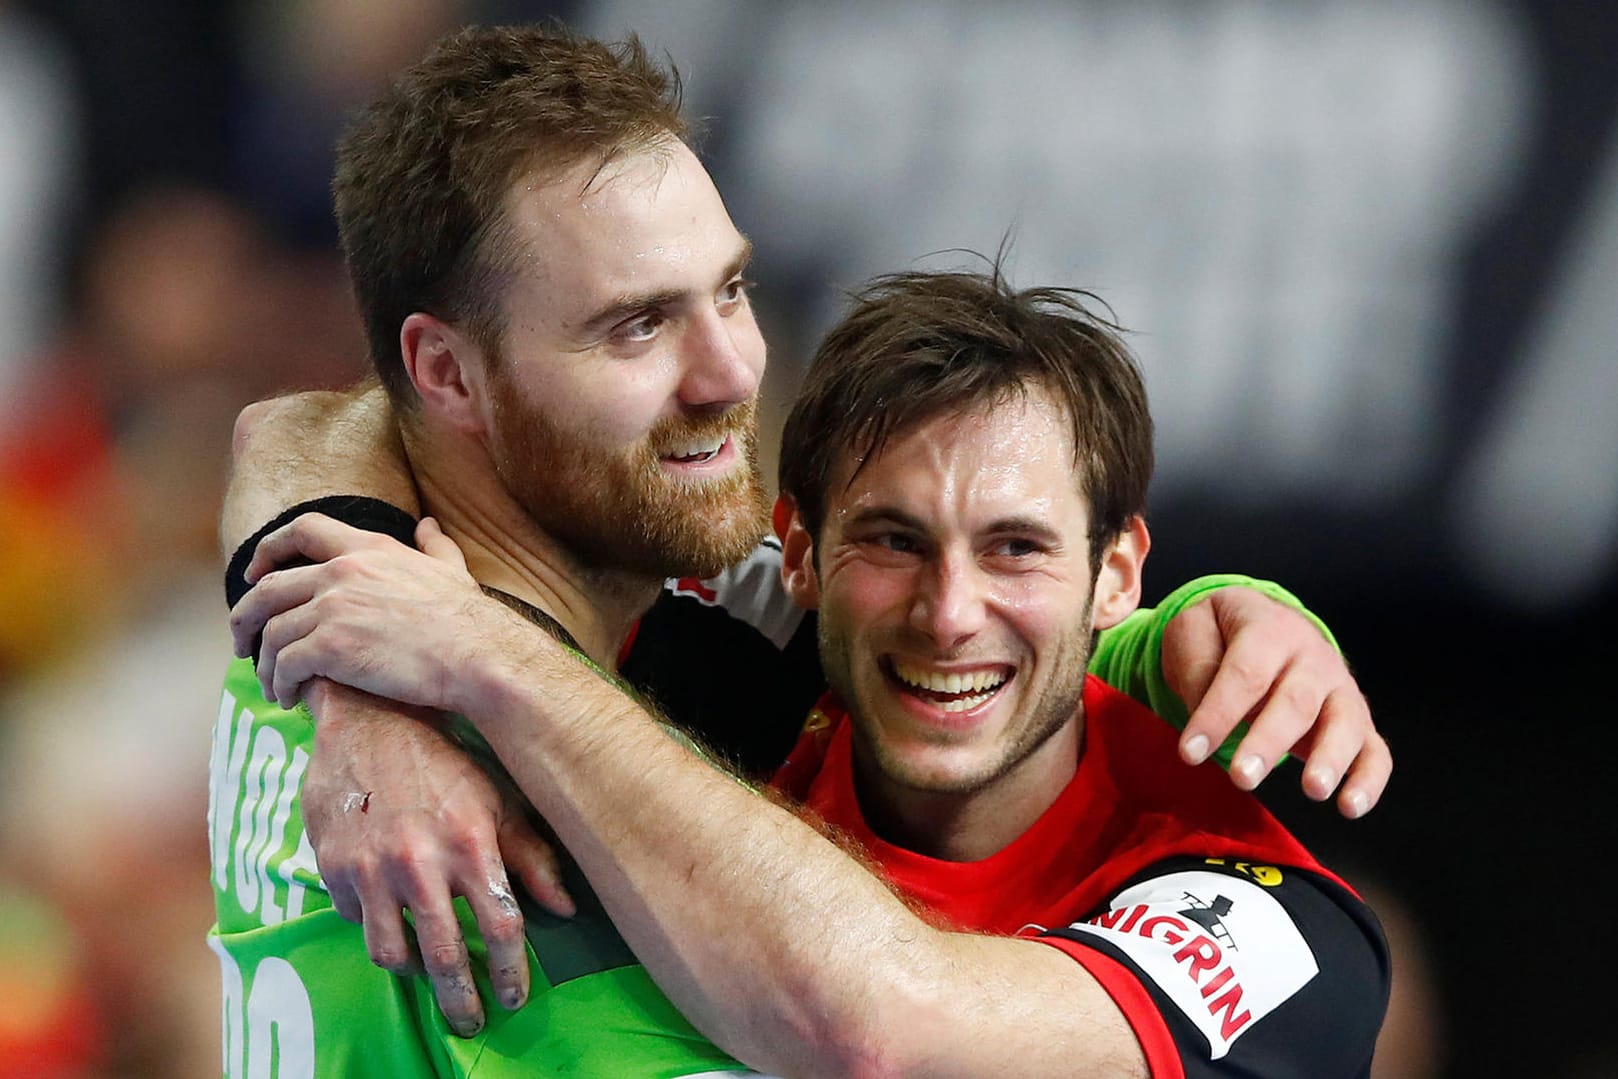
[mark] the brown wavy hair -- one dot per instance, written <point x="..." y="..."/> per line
<point x="915" y="346"/>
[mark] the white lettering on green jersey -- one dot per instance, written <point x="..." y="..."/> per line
<point x="302" y="999"/>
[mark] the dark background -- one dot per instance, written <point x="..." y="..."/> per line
<point x="1369" y="250"/>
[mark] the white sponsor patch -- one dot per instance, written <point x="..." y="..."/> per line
<point x="1223" y="949"/>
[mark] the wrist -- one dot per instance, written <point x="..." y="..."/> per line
<point x="370" y="514"/>
<point x="496" y="682"/>
<point x="1199" y="589"/>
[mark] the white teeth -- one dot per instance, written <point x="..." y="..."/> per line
<point x="961" y="704"/>
<point x="694" y="449"/>
<point x="978" y="682"/>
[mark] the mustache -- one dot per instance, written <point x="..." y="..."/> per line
<point x="739" y="420"/>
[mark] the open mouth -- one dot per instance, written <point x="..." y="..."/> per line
<point x="950" y="691"/>
<point x="694" y="453"/>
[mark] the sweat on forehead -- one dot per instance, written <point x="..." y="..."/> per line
<point x="916" y="346"/>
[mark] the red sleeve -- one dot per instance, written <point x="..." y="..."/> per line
<point x="1126" y="991"/>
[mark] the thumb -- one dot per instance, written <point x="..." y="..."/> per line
<point x="430" y="539"/>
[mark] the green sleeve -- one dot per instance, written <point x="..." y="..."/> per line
<point x="1129" y="656"/>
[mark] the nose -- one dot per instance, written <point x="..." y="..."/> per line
<point x="724" y="361"/>
<point x="951" y="602"/>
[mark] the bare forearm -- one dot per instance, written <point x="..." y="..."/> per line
<point x="757" y="993"/>
<point x="305" y="445"/>
<point x="773" y="940"/>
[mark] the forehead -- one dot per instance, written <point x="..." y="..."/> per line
<point x="1014" y="457"/>
<point x="646" y="222"/>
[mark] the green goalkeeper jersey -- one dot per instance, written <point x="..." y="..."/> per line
<point x="302" y="999"/>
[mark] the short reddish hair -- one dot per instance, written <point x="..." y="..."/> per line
<point x="424" y="171"/>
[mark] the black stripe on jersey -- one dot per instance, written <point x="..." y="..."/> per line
<point x="1326" y="1028"/>
<point x="718" y="677"/>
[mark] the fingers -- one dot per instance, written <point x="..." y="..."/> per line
<point x="1344" y="747"/>
<point x="444" y="957"/>
<point x="386" y="939"/>
<point x="534" y="863"/>
<point x="1339" y="736"/>
<point x="275" y="593"/>
<point x="436" y="947"/>
<point x="281" y="671"/>
<point x="313" y="536"/>
<point x="1275" y="671"/>
<point x="401" y="821"/>
<point x="1237" y="690"/>
<point x="1367" y="778"/>
<point x="1193" y="644"/>
<point x="1287" y="715"/>
<point x="268" y="623"/>
<point x="501" y="924"/>
<point x="345" y="899"/>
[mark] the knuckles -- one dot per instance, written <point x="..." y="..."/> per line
<point x="504" y="926"/>
<point x="1300" y="698"/>
<point x="1244" y="674"/>
<point x="446" y="957"/>
<point x="392" y="957"/>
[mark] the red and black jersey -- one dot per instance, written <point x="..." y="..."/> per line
<point x="1228" y="947"/>
<point x="731" y="659"/>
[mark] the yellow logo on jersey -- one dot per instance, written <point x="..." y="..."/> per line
<point x="1267" y="875"/>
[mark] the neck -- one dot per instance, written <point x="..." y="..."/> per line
<point x="504" y="549"/>
<point x="972" y="825"/>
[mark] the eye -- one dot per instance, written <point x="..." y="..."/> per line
<point x="642" y="327"/>
<point x="1018" y="549"/>
<point x="731" y="295"/>
<point x="906" y="544"/>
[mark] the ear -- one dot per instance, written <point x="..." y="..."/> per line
<point x="1118" y="584"/>
<point x="447" y="371"/>
<point x="797" y="556"/>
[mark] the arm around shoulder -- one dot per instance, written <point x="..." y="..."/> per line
<point x="308" y="445"/>
<point x="1131" y="656"/>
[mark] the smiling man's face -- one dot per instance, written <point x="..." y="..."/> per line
<point x="957" y="602"/>
<point x="955" y="597"/>
<point x="625" y="398"/>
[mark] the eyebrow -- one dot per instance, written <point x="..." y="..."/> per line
<point x="873" y="515"/>
<point x="1018" y="526"/>
<point x="1025" y="526"/>
<point x="628" y="303"/>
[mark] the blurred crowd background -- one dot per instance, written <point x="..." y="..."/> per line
<point x="1369" y="249"/>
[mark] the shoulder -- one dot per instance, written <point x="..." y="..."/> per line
<point x="1183" y="808"/>
<point x="749" y="592"/>
<point x="1251" y="968"/>
<point x="732" y="658"/>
